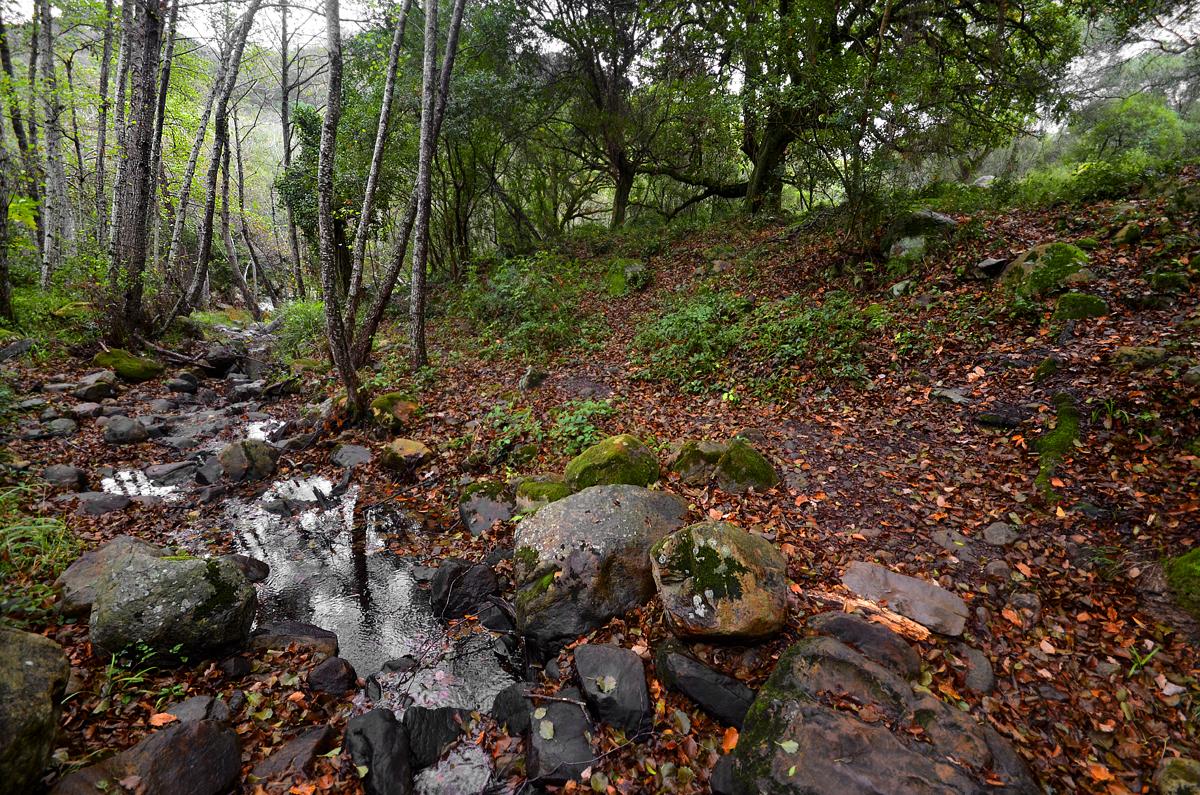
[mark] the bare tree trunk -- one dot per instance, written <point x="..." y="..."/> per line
<point x="30" y="182"/>
<point x="128" y="251"/>
<point x="76" y="143"/>
<point x="159" y="119"/>
<point x="285" y="118"/>
<point x="54" y="204"/>
<point x="334" y="329"/>
<point x="231" y="256"/>
<point x="6" y="307"/>
<point x="417" y="355"/>
<point x="368" y="204"/>
<point x="365" y="337"/>
<point x="102" y="126"/>
<point x="255" y="263"/>
<point x="118" y="109"/>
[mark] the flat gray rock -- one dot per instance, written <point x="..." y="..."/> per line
<point x="920" y="600"/>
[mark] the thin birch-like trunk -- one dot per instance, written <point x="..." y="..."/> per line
<point x="285" y="119"/>
<point x="156" y="167"/>
<point x="102" y="126"/>
<point x="54" y="203"/>
<point x="417" y="355"/>
<point x="118" y="112"/>
<point x="231" y="256"/>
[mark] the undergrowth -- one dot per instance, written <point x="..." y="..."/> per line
<point x="34" y="550"/>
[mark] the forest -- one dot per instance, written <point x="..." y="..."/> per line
<point x="619" y="396"/>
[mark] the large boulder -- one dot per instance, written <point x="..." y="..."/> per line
<point x="614" y="685"/>
<point x="248" y="459"/>
<point x="1178" y="775"/>
<point x="127" y="366"/>
<point x="377" y="742"/>
<point x="404" y="455"/>
<point x="125" y="430"/>
<point x="33" y="676"/>
<point x="618" y="459"/>
<point x="717" y="581"/>
<point x="799" y="738"/>
<point x="920" y="600"/>
<point x="79" y="582"/>
<point x="393" y="411"/>
<point x="1045" y="269"/>
<point x="735" y="465"/>
<point x="174" y="606"/>
<point x="584" y="559"/>
<point x="186" y="758"/>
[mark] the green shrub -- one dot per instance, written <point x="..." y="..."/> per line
<point x="689" y="345"/>
<point x="575" y="428"/>
<point x="510" y="425"/>
<point x="1092" y="180"/>
<point x="301" y="329"/>
<point x="33" y="551"/>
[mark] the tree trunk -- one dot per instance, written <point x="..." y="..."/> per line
<point x="54" y="203"/>
<point x="285" y="119"/>
<point x="766" y="183"/>
<point x="334" y="328"/>
<point x="368" y="204"/>
<point x="231" y="256"/>
<point x="623" y="187"/>
<point x="156" y="167"/>
<point x="255" y="263"/>
<point x="118" y="109"/>
<point x="30" y="182"/>
<point x="133" y="191"/>
<point x="417" y="356"/>
<point x="102" y="126"/>
<point x="6" y="307"/>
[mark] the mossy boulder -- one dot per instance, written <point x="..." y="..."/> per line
<point x="1077" y="306"/>
<point x="719" y="582"/>
<point x="1045" y="369"/>
<point x="33" y="676"/>
<point x="1178" y="776"/>
<point x="625" y="276"/>
<point x="1169" y="282"/>
<point x="1183" y="576"/>
<point x="1139" y="357"/>
<point x="1045" y="269"/>
<point x="535" y="493"/>
<point x="1128" y="234"/>
<point x="1088" y="243"/>
<point x="404" y="455"/>
<point x="248" y="459"/>
<point x="393" y="411"/>
<point x="128" y="367"/>
<point x="174" y="606"/>
<point x="617" y="459"/>
<point x="695" y="460"/>
<point x="742" y="468"/>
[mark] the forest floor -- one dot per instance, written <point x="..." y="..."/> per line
<point x="1097" y="674"/>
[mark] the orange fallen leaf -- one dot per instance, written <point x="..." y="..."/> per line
<point x="730" y="741"/>
<point x="1099" y="772"/>
<point x="162" y="718"/>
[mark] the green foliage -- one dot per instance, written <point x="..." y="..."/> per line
<point x="47" y="315"/>
<point x="302" y="328"/>
<point x="1142" y="122"/>
<point x="33" y="551"/>
<point x="575" y="429"/>
<point x="526" y="306"/>
<point x="1091" y="180"/>
<point x="510" y="425"/>
<point x="689" y="344"/>
<point x="1183" y="575"/>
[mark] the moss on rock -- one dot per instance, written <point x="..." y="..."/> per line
<point x="617" y="459"/>
<point x="1169" y="282"/>
<point x="1047" y="368"/>
<point x="695" y="460"/>
<point x="1055" y="444"/>
<point x="402" y="455"/>
<point x="742" y="467"/>
<point x="127" y="366"/>
<point x="1127" y="234"/>
<point x="1183" y="576"/>
<point x="1077" y="306"/>
<point x="393" y="410"/>
<point x="534" y="493"/>
<point x="1046" y="268"/>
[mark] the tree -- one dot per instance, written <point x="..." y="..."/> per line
<point x="54" y="203"/>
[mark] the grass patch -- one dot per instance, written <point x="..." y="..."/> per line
<point x="33" y="551"/>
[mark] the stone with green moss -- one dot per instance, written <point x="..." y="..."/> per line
<point x="1054" y="445"/>
<point x="33" y="676"/>
<point x="1045" y="269"/>
<point x="717" y="581"/>
<point x="1139" y="357"/>
<point x="1178" y="775"/>
<point x="248" y="459"/>
<point x="1077" y="306"/>
<point x="1128" y="234"/>
<point x="1169" y="282"/>
<point x="1088" y="243"/>
<point x="1045" y="369"/>
<point x="404" y="455"/>
<point x="1183" y="577"/>
<point x="617" y="459"/>
<point x="393" y="411"/>
<point x="534" y="493"/>
<point x="309" y="366"/>
<point x="484" y="503"/>
<point x="175" y="607"/>
<point x="742" y="468"/>
<point x="625" y="276"/>
<point x="127" y="366"/>
<point x="695" y="460"/>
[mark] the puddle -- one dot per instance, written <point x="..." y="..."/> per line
<point x="262" y="429"/>
<point x="466" y="768"/>
<point x="333" y="571"/>
<point x="134" y="483"/>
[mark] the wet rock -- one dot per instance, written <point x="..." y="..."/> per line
<point x="210" y="471"/>
<point x="585" y="559"/>
<point x="16" y="348"/>
<point x="431" y="732"/>
<point x="466" y="769"/>
<point x="511" y="708"/>
<point x="200" y="708"/>
<point x="33" y="678"/>
<point x="65" y="476"/>
<point x="197" y="605"/>
<point x="253" y="569"/>
<point x="620" y="459"/>
<point x="125" y="430"/>
<point x="980" y="676"/>
<point x="185" y="758"/>
<point x="1000" y="534"/>
<point x="404" y="455"/>
<point x="723" y="697"/>
<point x="279" y="635"/>
<point x="182" y="386"/>
<point x="333" y="675"/>
<point x="235" y="667"/>
<point x="460" y="588"/>
<point x="1045" y="269"/>
<point x="720" y="780"/>
<point x="560" y="741"/>
<point x="219" y="359"/>
<point x="718" y="581"/>
<point x="614" y="686"/>
<point x="83" y="411"/>
<point x="920" y="600"/>
<point x="171" y="474"/>
<point x="96" y="387"/>
<point x="298" y="442"/>
<point x="78" y="584"/>
<point x="793" y="742"/>
<point x="1003" y="416"/>
<point x="248" y="459"/>
<point x="998" y="570"/>
<point x="351" y="455"/>
<point x="955" y="396"/>
<point x="128" y="367"/>
<point x="98" y="503"/>
<point x="379" y="742"/>
<point x="694" y="460"/>
<point x="296" y="755"/>
<point x="874" y="641"/>
<point x="482" y="505"/>
<point x="1178" y="775"/>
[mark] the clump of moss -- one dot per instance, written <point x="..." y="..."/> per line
<point x="1045" y="268"/>
<point x="713" y="571"/>
<point x="543" y="491"/>
<point x="625" y="276"/>
<point x="1169" y="282"/>
<point x="1047" y="368"/>
<point x="1055" y="444"/>
<point x="393" y="410"/>
<point x="742" y="467"/>
<point x="1087" y="243"/>
<point x="1183" y="576"/>
<point x="527" y="557"/>
<point x="492" y="489"/>
<point x="127" y="366"/>
<point x="617" y="459"/>
<point x="1077" y="306"/>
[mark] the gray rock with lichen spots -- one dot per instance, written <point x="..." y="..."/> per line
<point x="125" y="430"/>
<point x="249" y="459"/>
<point x="1139" y="358"/>
<point x="189" y="606"/>
<point x="1178" y="776"/>
<point x="584" y="559"/>
<point x="717" y="581"/>
<point x="33" y="677"/>
<point x="735" y="465"/>
<point x="78" y="584"/>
